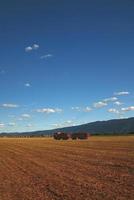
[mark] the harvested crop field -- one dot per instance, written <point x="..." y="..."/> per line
<point x="45" y="169"/>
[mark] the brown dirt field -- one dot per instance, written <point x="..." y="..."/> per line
<point x="45" y="169"/>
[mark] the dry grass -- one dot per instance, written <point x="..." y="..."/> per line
<point x="45" y="169"/>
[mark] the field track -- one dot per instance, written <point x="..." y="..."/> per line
<point x="101" y="168"/>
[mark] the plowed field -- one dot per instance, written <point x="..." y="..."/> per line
<point x="45" y="169"/>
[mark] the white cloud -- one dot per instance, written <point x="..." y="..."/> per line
<point x="122" y="93"/>
<point x="76" y="108"/>
<point x="6" y="105"/>
<point x="58" y="110"/>
<point x="35" y="46"/>
<point x="20" y="119"/>
<point x="56" y="125"/>
<point x="100" y="104"/>
<point x="2" y="125"/>
<point x="104" y="102"/>
<point x="27" y="84"/>
<point x="113" y="110"/>
<point x="130" y="108"/>
<point x="46" y="56"/>
<point x="29" y="125"/>
<point x="25" y="115"/>
<point x="49" y="110"/>
<point x="27" y="49"/>
<point x="31" y="48"/>
<point x="110" y="99"/>
<point x="87" y="109"/>
<point x="118" y="103"/>
<point x="68" y="123"/>
<point x="11" y="124"/>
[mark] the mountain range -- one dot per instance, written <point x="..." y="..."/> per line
<point x="110" y="127"/>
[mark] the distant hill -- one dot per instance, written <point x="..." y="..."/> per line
<point x="115" y="126"/>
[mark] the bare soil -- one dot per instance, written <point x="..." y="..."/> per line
<point x="46" y="169"/>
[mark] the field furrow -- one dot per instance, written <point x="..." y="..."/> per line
<point x="45" y="169"/>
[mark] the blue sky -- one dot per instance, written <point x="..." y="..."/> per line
<point x="65" y="63"/>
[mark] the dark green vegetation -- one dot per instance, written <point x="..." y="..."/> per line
<point x="110" y="127"/>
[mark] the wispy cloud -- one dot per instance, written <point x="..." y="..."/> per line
<point x="118" y="103"/>
<point x="20" y="119"/>
<point x="35" y="46"/>
<point x="2" y="125"/>
<point x="113" y="110"/>
<point x="100" y="104"/>
<point x="87" y="109"/>
<point x="26" y="115"/>
<point x="130" y="108"/>
<point x="122" y="93"/>
<point x="56" y="125"/>
<point x="29" y="126"/>
<point x="9" y="105"/>
<point x="68" y="122"/>
<point x="64" y="124"/>
<point x="31" y="48"/>
<point x="76" y="108"/>
<point x="46" y="56"/>
<point x="27" y="84"/>
<point x="104" y="102"/>
<point x="111" y="99"/>
<point x="80" y="109"/>
<point x="11" y="124"/>
<point x="27" y="49"/>
<point x="49" y="110"/>
<point x="117" y="112"/>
